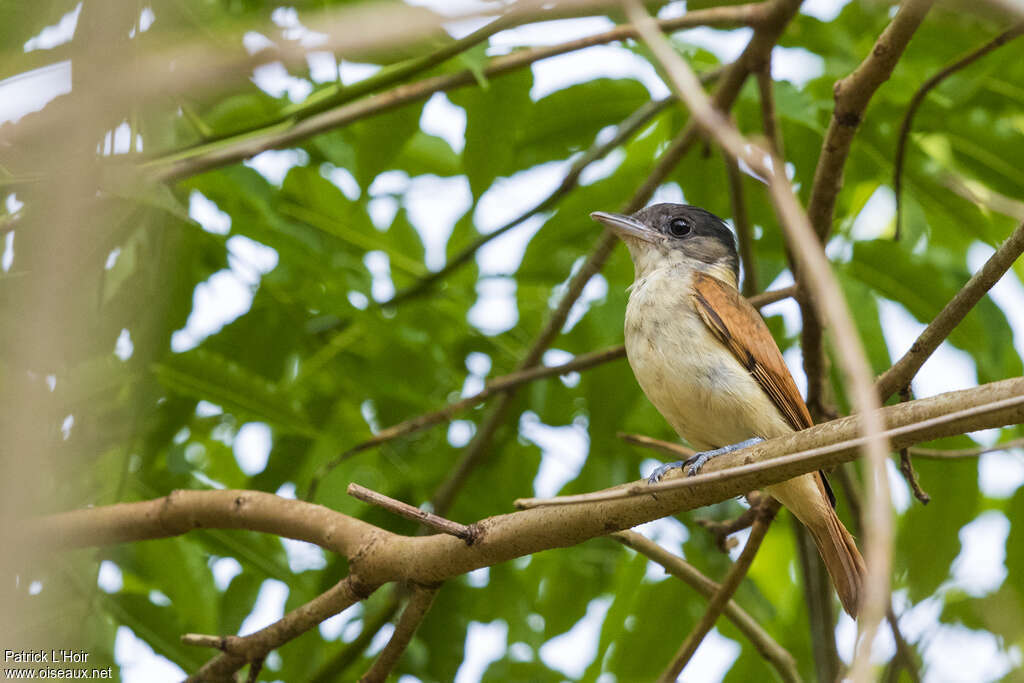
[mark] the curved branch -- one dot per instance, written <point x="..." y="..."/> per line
<point x="182" y="511"/>
<point x="776" y="655"/>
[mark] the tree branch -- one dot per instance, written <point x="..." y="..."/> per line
<point x="239" y="650"/>
<point x="428" y="519"/>
<point x="903" y="370"/>
<point x="767" y="511"/>
<point x="415" y="611"/>
<point x="952" y="454"/>
<point x="852" y="95"/>
<point x="190" y="162"/>
<point x="776" y="655"/>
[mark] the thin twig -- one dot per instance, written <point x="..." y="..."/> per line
<point x="722" y="531"/>
<point x="954" y="453"/>
<point x="496" y="386"/>
<point x="239" y="650"/>
<point x="183" y="164"/>
<point x="918" y="98"/>
<point x="776" y="655"/>
<point x="415" y="611"/>
<point x="903" y="370"/>
<point x="766" y="513"/>
<point x="741" y="221"/>
<point x="907" y="467"/>
<point x="415" y="514"/>
<point x="667" y="447"/>
<point x="907" y="470"/>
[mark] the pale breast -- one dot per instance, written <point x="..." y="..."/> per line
<point x="690" y="377"/>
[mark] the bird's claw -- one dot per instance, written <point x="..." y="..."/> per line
<point x="658" y="474"/>
<point x="694" y="464"/>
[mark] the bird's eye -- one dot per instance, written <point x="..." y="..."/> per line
<point x="680" y="227"/>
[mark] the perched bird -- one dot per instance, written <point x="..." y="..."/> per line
<point x="707" y="361"/>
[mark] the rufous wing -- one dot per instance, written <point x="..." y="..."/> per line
<point x="739" y="326"/>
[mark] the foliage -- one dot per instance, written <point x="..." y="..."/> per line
<point x="323" y="365"/>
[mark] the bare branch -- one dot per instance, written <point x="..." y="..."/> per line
<point x="183" y="164"/>
<point x="722" y="531"/>
<point x="766" y="513"/>
<point x="776" y="655"/>
<point x="852" y="95"/>
<point x="907" y="470"/>
<point x="667" y="447"/>
<point x="903" y="370"/>
<point x="182" y="511"/>
<point x="748" y="464"/>
<point x="415" y="611"/>
<point x="240" y="650"/>
<point x="950" y="454"/>
<point x="429" y="519"/>
<point x="918" y="98"/>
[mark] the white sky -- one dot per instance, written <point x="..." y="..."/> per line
<point x="434" y="204"/>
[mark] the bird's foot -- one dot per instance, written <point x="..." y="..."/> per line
<point x="659" y="473"/>
<point x="694" y="464"/>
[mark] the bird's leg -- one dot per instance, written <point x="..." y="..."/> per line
<point x="698" y="461"/>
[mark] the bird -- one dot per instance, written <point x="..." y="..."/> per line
<point x="707" y="361"/>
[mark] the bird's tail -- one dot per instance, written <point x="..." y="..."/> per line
<point x="806" y="499"/>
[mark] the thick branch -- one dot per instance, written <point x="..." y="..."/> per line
<point x="182" y="511"/>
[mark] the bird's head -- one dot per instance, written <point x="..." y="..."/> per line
<point x="676" y="234"/>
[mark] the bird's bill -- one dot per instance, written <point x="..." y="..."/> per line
<point x="625" y="226"/>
